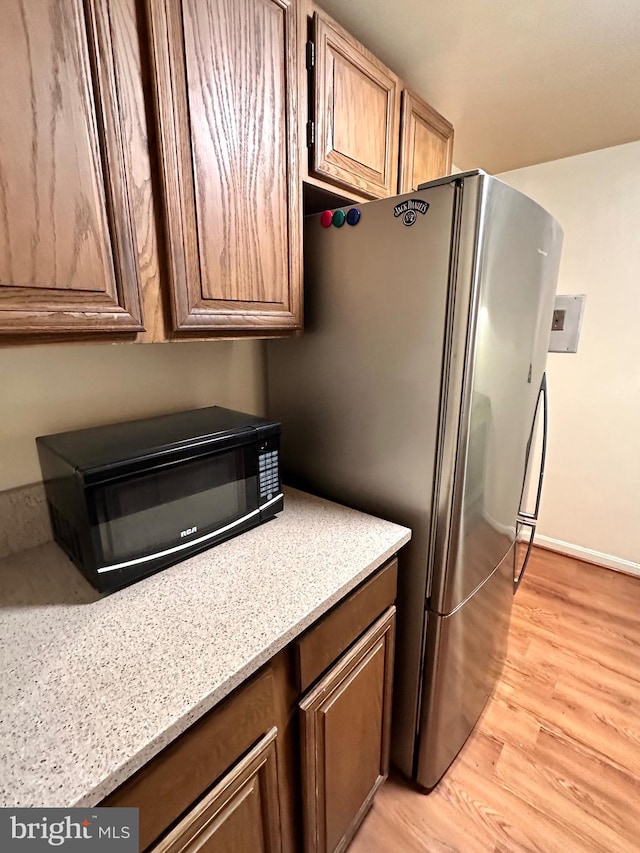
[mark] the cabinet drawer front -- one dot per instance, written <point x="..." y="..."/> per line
<point x="241" y="813"/>
<point x="426" y="144"/>
<point x="68" y="260"/>
<point x="226" y="92"/>
<point x="357" y="111"/>
<point x="179" y="775"/>
<point x="327" y="639"/>
<point x="345" y="727"/>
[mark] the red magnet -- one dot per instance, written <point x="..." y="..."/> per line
<point x="326" y="217"/>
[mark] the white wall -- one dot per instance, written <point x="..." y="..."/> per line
<point x="45" y="389"/>
<point x="591" y="498"/>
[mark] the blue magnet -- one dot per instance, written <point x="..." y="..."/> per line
<point x="353" y="216"/>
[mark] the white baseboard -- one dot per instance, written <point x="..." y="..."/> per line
<point x="588" y="555"/>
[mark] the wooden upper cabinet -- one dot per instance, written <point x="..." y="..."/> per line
<point x="225" y="74"/>
<point x="356" y="111"/>
<point x="67" y="254"/>
<point x="426" y="143"/>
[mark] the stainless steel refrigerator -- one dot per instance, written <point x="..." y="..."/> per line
<point x="412" y="395"/>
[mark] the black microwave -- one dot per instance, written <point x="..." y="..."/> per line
<point x="129" y="499"/>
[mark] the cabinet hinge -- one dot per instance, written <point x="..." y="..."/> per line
<point x="311" y="55"/>
<point x="311" y="133"/>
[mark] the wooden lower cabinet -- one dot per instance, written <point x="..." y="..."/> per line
<point x="345" y="729"/>
<point x="213" y="752"/>
<point x="240" y="780"/>
<point x="241" y="813"/>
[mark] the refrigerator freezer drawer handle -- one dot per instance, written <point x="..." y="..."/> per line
<point x="524" y="517"/>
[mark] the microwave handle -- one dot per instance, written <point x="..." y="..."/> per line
<point x="184" y="545"/>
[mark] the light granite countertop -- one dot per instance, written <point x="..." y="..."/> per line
<point x="92" y="688"/>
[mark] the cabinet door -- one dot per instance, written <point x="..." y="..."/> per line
<point x="356" y="112"/>
<point x="226" y="90"/>
<point x="345" y="726"/>
<point x="241" y="813"/>
<point x="426" y="144"/>
<point x="67" y="254"/>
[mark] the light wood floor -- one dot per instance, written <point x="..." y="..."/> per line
<point x="554" y="763"/>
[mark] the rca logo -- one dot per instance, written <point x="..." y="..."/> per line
<point x="188" y="532"/>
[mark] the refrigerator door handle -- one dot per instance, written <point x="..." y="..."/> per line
<point x="530" y="519"/>
<point x="523" y="567"/>
<point x="542" y="396"/>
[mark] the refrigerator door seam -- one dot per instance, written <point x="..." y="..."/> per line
<point x="445" y="381"/>
<point x="458" y="411"/>
<point x="444" y="384"/>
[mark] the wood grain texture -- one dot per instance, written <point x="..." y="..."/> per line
<point x="237" y="108"/>
<point x="226" y="87"/>
<point x="426" y="143"/>
<point x="288" y="749"/>
<point x="240" y="814"/>
<point x="135" y="97"/>
<point x="67" y="253"/>
<point x="182" y="772"/>
<point x="356" y="110"/>
<point x="325" y="641"/>
<point x="355" y="95"/>
<point x="345" y="729"/>
<point x="554" y="763"/>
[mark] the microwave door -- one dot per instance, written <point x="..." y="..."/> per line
<point x="174" y="507"/>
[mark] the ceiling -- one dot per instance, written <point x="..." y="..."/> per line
<point x="522" y="81"/>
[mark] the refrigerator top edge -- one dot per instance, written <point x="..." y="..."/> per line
<point x="456" y="176"/>
<point x="487" y="181"/>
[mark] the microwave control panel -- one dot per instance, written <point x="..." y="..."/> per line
<point x="268" y="471"/>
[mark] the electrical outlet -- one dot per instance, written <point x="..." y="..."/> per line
<point x="557" y="324"/>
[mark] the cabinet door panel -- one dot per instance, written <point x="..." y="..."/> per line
<point x="345" y="724"/>
<point x="356" y="108"/>
<point x="241" y="813"/>
<point x="67" y="253"/>
<point x="324" y="642"/>
<point x="355" y="95"/>
<point x="225" y="79"/>
<point x="426" y="144"/>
